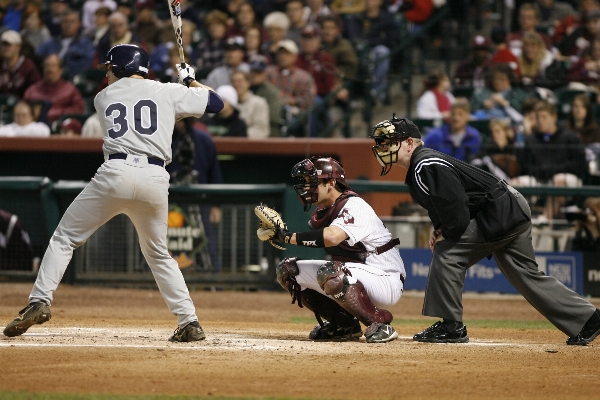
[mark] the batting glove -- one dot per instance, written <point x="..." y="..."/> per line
<point x="186" y="74"/>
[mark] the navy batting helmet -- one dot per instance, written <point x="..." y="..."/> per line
<point x="126" y="60"/>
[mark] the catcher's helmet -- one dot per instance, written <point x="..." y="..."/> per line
<point x="309" y="171"/>
<point x="126" y="60"/>
<point x="388" y="135"/>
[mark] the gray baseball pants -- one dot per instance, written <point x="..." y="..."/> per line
<point x="516" y="259"/>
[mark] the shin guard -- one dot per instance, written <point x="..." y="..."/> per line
<point x="333" y="279"/>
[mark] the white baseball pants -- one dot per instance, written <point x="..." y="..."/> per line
<point x="139" y="190"/>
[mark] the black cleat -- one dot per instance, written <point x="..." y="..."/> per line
<point x="443" y="333"/>
<point x="590" y="330"/>
<point x="380" y="333"/>
<point x="326" y="332"/>
<point x="34" y="313"/>
<point x="192" y="332"/>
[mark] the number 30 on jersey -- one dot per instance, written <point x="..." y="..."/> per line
<point x="118" y="112"/>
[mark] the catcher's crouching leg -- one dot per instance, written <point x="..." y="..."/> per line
<point x="333" y="279"/>
<point x="339" y="324"/>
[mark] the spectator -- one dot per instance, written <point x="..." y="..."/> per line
<point x="227" y="122"/>
<point x="118" y="33"/>
<point x="52" y="20"/>
<point x="88" y="19"/>
<point x="296" y="87"/>
<point x="317" y="9"/>
<point x="457" y="138"/>
<point x="344" y="7"/>
<point x="234" y="61"/>
<point x="503" y="55"/>
<point x="147" y="27"/>
<point x="575" y="42"/>
<point x="436" y="101"/>
<point x="211" y="51"/>
<point x="160" y="57"/>
<point x="91" y="127"/>
<point x="571" y="22"/>
<point x="14" y="14"/>
<point x="294" y="9"/>
<point x="551" y="12"/>
<point x="529" y="123"/>
<point x="499" y="157"/>
<point x="253" y="44"/>
<point x="245" y="19"/>
<point x="101" y="24"/>
<point x="472" y="71"/>
<point x="581" y="120"/>
<point x="63" y="96"/>
<point x="17" y="72"/>
<point x="587" y="234"/>
<point x="24" y="124"/>
<point x="528" y="19"/>
<point x="537" y="64"/>
<point x="499" y="99"/>
<point x="587" y="69"/>
<point x="552" y="155"/>
<point x="170" y="73"/>
<point x="375" y="28"/>
<point x="70" y="127"/>
<point x="34" y="31"/>
<point x="195" y="161"/>
<point x="277" y="25"/>
<point x="342" y="51"/>
<point x="261" y="86"/>
<point x="125" y="7"/>
<point x="254" y="110"/>
<point x="75" y="51"/>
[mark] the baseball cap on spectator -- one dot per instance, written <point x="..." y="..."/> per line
<point x="258" y="63"/>
<point x="142" y="4"/>
<point x="71" y="124"/>
<point x="235" y="43"/>
<point x="310" y="31"/>
<point x="228" y="94"/>
<point x="288" y="45"/>
<point x="480" y="42"/>
<point x="11" y="37"/>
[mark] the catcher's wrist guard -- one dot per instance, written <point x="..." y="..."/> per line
<point x="312" y="238"/>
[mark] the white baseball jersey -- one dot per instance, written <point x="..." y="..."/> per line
<point x="381" y="274"/>
<point x="137" y="116"/>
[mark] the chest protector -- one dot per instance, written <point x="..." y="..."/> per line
<point x="323" y="217"/>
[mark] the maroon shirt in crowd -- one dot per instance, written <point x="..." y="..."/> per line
<point x="17" y="79"/>
<point x="64" y="96"/>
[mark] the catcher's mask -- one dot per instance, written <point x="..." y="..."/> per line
<point x="388" y="136"/>
<point x="310" y="171"/>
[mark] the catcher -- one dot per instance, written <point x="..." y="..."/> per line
<point x="366" y="271"/>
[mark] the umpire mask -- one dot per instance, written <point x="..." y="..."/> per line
<point x="388" y="136"/>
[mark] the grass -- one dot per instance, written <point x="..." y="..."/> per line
<point x="60" y="396"/>
<point x="476" y="323"/>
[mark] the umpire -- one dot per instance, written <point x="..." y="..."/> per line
<point x="475" y="215"/>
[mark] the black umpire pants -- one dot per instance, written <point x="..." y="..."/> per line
<point x="515" y="257"/>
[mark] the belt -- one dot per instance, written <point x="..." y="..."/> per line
<point x="123" y="156"/>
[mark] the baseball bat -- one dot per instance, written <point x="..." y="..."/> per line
<point x="175" y="10"/>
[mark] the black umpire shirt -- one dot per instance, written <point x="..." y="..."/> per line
<point x="450" y="190"/>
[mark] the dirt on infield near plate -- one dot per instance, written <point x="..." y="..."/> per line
<point x="114" y="341"/>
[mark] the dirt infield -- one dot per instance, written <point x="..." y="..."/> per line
<point x="114" y="341"/>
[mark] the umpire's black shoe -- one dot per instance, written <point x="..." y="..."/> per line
<point x="327" y="332"/>
<point x="444" y="332"/>
<point x="192" y="332"/>
<point x="590" y="330"/>
<point x="34" y="313"/>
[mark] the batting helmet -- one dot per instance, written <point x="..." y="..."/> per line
<point x="388" y="135"/>
<point x="126" y="60"/>
<point x="309" y="171"/>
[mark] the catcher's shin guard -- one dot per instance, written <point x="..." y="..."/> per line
<point x="333" y="279"/>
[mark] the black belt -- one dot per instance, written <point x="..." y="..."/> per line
<point x="123" y="156"/>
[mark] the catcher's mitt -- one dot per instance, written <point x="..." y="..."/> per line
<point x="271" y="228"/>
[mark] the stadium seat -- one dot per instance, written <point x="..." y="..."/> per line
<point x="463" y="92"/>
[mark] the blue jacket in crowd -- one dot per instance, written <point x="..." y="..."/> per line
<point x="79" y="55"/>
<point x="439" y="139"/>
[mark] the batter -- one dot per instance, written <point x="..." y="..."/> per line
<point x="137" y="116"/>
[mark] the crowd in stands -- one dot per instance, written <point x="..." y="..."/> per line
<point x="532" y="99"/>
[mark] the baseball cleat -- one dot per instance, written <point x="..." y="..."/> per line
<point x="443" y="333"/>
<point x="192" y="332"/>
<point x="380" y="333"/>
<point x="589" y="332"/>
<point x="327" y="333"/>
<point x="34" y="313"/>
